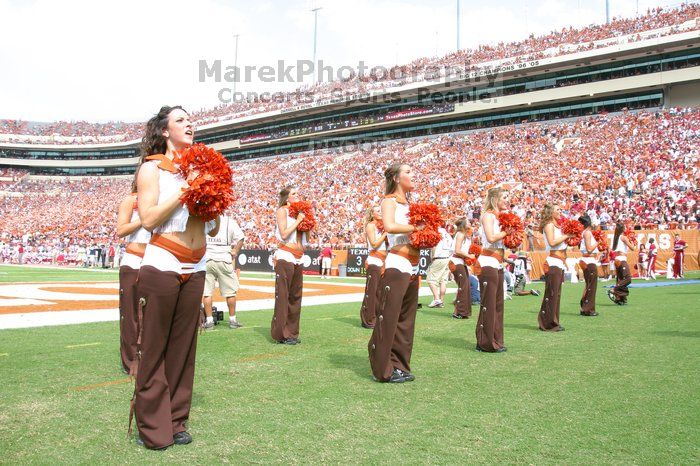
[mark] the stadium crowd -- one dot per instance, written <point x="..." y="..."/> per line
<point x="638" y="166"/>
<point x="565" y="41"/>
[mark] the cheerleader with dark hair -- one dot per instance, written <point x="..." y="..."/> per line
<point x="589" y="265"/>
<point x="170" y="284"/>
<point x="621" y="245"/>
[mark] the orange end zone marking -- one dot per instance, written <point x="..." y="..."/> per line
<point x="77" y="290"/>
<point x="69" y="304"/>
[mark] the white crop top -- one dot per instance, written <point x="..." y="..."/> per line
<point x="401" y="218"/>
<point x="621" y="246"/>
<point x="496" y="230"/>
<point x="141" y="235"/>
<point x="557" y="234"/>
<point x="168" y="184"/>
<point x="381" y="247"/>
<point x="466" y="244"/>
<point x="582" y="246"/>
<point x="292" y="236"/>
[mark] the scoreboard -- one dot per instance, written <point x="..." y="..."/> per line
<point x="358" y="256"/>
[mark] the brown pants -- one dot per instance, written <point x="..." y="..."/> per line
<point x="288" y="289"/>
<point x="489" y="327"/>
<point x="391" y="343"/>
<point x="590" y="275"/>
<point x="163" y="394"/>
<point x="128" y="317"/>
<point x="548" y="317"/>
<point x="368" y="311"/>
<point x="623" y="280"/>
<point x="463" y="305"/>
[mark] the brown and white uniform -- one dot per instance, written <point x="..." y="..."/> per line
<point x="463" y="302"/>
<point x="374" y="266"/>
<point x="391" y="344"/>
<point x="170" y="285"/>
<point x="489" y="327"/>
<point x="288" y="284"/>
<point x="129" y="266"/>
<point x="623" y="275"/>
<point x="548" y="317"/>
<point x="589" y="265"/>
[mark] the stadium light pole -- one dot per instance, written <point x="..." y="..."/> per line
<point x="458" y="25"/>
<point x="607" y="11"/>
<point x="235" y="65"/>
<point x="315" y="10"/>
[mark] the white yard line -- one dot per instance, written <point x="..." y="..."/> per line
<point x="40" y="319"/>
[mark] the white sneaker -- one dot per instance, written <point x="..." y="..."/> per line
<point x="208" y="325"/>
<point x="434" y="303"/>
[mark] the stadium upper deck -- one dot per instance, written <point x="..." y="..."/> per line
<point x="655" y="68"/>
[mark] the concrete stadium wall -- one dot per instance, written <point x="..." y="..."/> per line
<point x="682" y="95"/>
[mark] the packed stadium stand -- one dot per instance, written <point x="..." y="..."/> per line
<point x="605" y="117"/>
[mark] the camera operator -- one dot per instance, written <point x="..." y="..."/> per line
<point x="221" y="254"/>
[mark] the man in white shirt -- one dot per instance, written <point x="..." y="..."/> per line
<point x="222" y="251"/>
<point x="439" y="271"/>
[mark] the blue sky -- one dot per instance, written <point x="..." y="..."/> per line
<point x="105" y="60"/>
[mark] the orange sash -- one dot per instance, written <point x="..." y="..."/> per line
<point x="496" y="253"/>
<point x="165" y="163"/>
<point x="131" y="249"/>
<point x="561" y="255"/>
<point x="381" y="255"/>
<point x="182" y="253"/>
<point x="298" y="254"/>
<point x="407" y="252"/>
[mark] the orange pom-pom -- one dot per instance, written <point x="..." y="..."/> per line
<point x="309" y="222"/>
<point x="513" y="225"/>
<point x="211" y="191"/>
<point x="569" y="226"/>
<point x="429" y="215"/>
<point x="632" y="237"/>
<point x="602" y="240"/>
<point x="474" y="250"/>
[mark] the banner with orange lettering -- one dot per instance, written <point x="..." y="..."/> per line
<point x="663" y="239"/>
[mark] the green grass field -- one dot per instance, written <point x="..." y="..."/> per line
<point x="617" y="389"/>
<point x="16" y="274"/>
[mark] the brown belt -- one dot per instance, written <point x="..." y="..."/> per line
<point x="589" y="255"/>
<point x="561" y="255"/>
<point x="407" y="252"/>
<point x="297" y="253"/>
<point x="495" y="253"/>
<point x="182" y="253"/>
